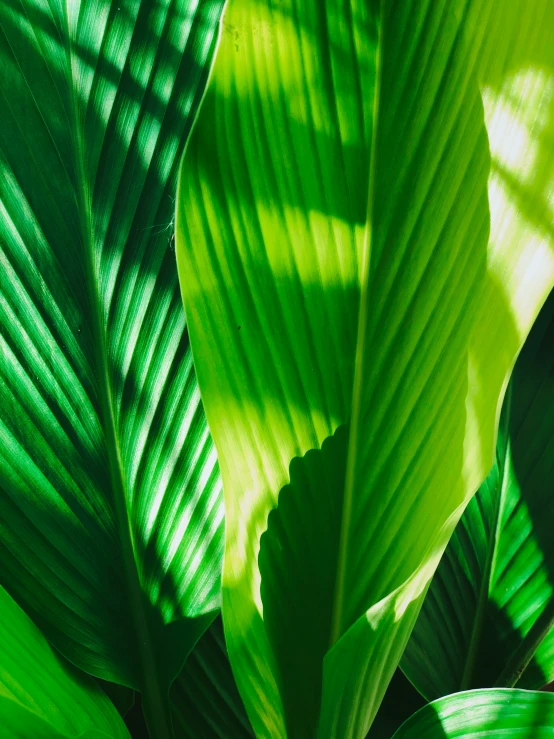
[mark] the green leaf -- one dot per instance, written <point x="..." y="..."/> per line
<point x="205" y="701"/>
<point x="42" y="695"/>
<point x="111" y="528"/>
<point x="358" y="280"/>
<point x="491" y="602"/>
<point x="484" y="713"/>
<point x="542" y="664"/>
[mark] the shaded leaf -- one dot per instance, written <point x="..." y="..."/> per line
<point x="541" y="664"/>
<point x="111" y="513"/>
<point x="400" y="701"/>
<point x="205" y="700"/>
<point x="123" y="698"/>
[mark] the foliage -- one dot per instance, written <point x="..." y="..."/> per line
<point x="490" y="605"/>
<point x="364" y="232"/>
<point x="111" y="512"/>
<point x="359" y="273"/>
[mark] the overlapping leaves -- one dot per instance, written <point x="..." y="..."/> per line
<point x="110" y="503"/>
<point x="365" y="238"/>
<point x="491" y="606"/>
<point x="352" y="358"/>
<point x="41" y="695"/>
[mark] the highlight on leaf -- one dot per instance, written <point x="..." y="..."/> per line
<point x="295" y="307"/>
<point x="341" y="199"/>
<point x="111" y="513"/>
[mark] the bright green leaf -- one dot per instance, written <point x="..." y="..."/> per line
<point x="340" y="168"/>
<point x="111" y="514"/>
<point x="42" y="695"/>
<point x="484" y="713"/>
<point x="491" y="602"/>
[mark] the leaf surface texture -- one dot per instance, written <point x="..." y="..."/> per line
<point x="359" y="276"/>
<point x="490" y="607"/>
<point x="111" y="511"/>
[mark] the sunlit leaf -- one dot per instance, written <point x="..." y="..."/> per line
<point x="205" y="702"/>
<point x="483" y="713"/>
<point x="358" y="160"/>
<point x="110" y="506"/>
<point x="491" y="602"/>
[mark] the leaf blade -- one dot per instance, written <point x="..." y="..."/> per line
<point x="483" y="712"/>
<point x="207" y="674"/>
<point x="111" y="499"/>
<point x="40" y="693"/>
<point x="493" y="588"/>
<point x="268" y="228"/>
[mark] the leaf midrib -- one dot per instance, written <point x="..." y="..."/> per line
<point x="337" y="625"/>
<point x="154" y="700"/>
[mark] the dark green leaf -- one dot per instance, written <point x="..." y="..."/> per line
<point x="205" y="701"/>
<point x="400" y="701"/>
<point x="110" y="506"/>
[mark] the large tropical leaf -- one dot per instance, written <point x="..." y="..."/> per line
<point x="110" y="508"/>
<point x="41" y="694"/>
<point x="341" y="168"/>
<point x="491" y="602"/>
<point x="484" y="713"/>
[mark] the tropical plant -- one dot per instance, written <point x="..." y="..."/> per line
<point x="365" y="237"/>
<point x="488" y="617"/>
<point x="111" y="512"/>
